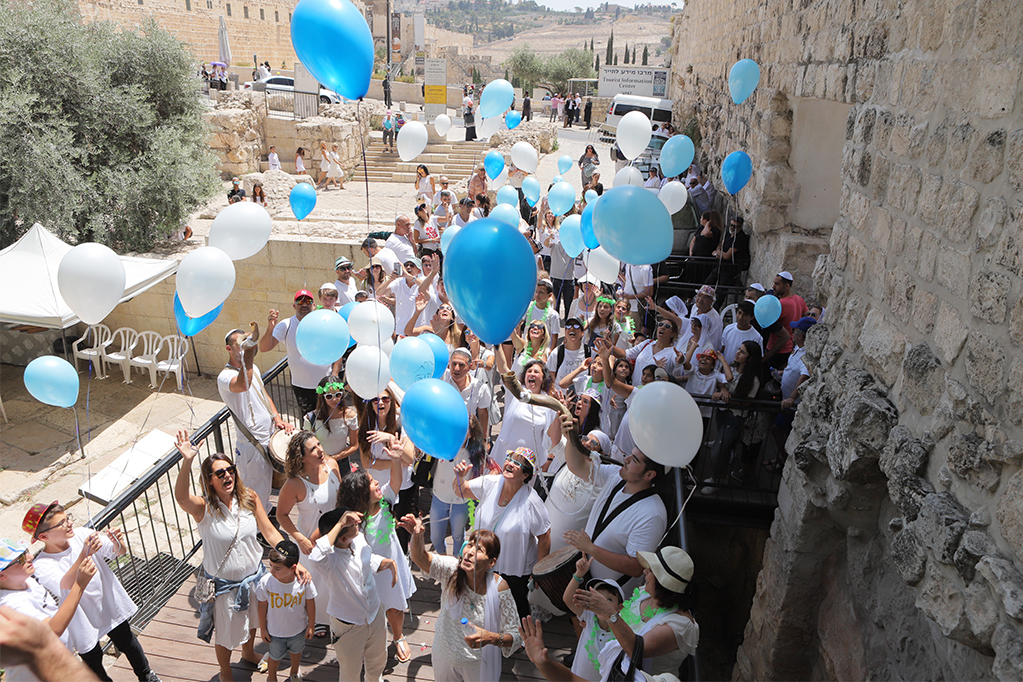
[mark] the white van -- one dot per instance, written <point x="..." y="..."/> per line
<point x="657" y="110"/>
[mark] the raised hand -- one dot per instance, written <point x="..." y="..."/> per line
<point x="582" y="566"/>
<point x="187" y="449"/>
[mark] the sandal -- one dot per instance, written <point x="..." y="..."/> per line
<point x="320" y="631"/>
<point x="402" y="657"/>
<point x="264" y="663"/>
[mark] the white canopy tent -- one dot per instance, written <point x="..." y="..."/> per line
<point x="28" y="280"/>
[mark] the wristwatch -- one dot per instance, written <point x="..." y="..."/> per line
<point x="613" y="619"/>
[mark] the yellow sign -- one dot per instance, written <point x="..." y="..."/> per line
<point x="436" y="94"/>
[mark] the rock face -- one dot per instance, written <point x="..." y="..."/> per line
<point x="543" y="135"/>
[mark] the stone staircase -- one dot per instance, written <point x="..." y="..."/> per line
<point x="456" y="160"/>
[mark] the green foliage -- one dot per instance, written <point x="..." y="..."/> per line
<point x="552" y="72"/>
<point x="103" y="127"/>
<point x="608" y="55"/>
<point x="646" y="54"/>
<point x="625" y="56"/>
<point x="633" y="54"/>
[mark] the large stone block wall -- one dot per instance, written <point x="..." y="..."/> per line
<point x="897" y="549"/>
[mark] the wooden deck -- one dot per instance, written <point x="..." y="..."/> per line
<point x="175" y="653"/>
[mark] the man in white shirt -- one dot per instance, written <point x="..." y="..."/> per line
<point x="242" y="391"/>
<point x="305" y="376"/>
<point x="399" y="241"/>
<point x="702" y="193"/>
<point x="475" y="393"/>
<point x="638" y="284"/>
<point x="464" y="215"/>
<point x="346" y="286"/>
<point x="273" y="159"/>
<point x="703" y="306"/>
<point x="739" y="331"/>
<point x="405" y="288"/>
<point x="569" y="355"/>
<point x="388" y="259"/>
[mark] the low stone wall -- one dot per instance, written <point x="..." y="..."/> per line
<point x="540" y="133"/>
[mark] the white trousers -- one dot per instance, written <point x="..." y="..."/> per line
<point x="361" y="643"/>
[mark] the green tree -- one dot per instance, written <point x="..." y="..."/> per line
<point x="103" y="125"/>
<point x="596" y="63"/>
<point x="625" y="55"/>
<point x="616" y="59"/>
<point x="591" y="42"/>
<point x="633" y="54"/>
<point x="646" y="54"/>
<point x="610" y="47"/>
<point x="554" y="71"/>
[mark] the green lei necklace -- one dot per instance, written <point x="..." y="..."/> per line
<point x="591" y="645"/>
<point x="635" y="620"/>
<point x="385" y="525"/>
<point x="472" y="514"/>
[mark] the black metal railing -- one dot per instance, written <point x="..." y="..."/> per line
<point x="163" y="541"/>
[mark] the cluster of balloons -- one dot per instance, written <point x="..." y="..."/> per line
<point x="737" y="168"/>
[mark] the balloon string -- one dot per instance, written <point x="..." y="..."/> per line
<point x="365" y="168"/>
<point x="689" y="473"/>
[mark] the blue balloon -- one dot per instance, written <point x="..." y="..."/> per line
<point x="531" y="190"/>
<point x="512" y="119"/>
<point x="493" y="163"/>
<point x="440" y="353"/>
<point x="561" y="198"/>
<point x="190" y="326"/>
<point x="303" y="199"/>
<point x="743" y="79"/>
<point x="447" y="236"/>
<point x="571" y="235"/>
<point x="591" y="196"/>
<point x="411" y="361"/>
<point x="507" y="214"/>
<point x="435" y="418"/>
<point x="332" y="40"/>
<point x="736" y="171"/>
<point x="564" y="164"/>
<point x="345" y="311"/>
<point x="52" y="380"/>
<point x="586" y="227"/>
<point x="677" y="155"/>
<point x="767" y="310"/>
<point x="633" y="225"/>
<point x="496" y="98"/>
<point x="556" y="179"/>
<point x="322" y="337"/>
<point x="492" y="306"/>
<point x="508" y="195"/>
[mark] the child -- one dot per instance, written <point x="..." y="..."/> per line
<point x="356" y="619"/>
<point x="287" y="610"/>
<point x="542" y="309"/>
<point x="702" y="379"/>
<point x="105" y="604"/>
<point x="740" y="330"/>
<point x="20" y="592"/>
<point x="596" y="631"/>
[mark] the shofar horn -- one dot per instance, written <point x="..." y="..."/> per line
<point x="511" y="382"/>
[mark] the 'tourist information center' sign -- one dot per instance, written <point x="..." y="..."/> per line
<point x="645" y="81"/>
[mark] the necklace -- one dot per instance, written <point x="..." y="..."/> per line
<point x="384" y="523"/>
<point x="593" y="646"/>
<point x="635" y="619"/>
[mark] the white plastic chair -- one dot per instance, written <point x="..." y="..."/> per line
<point x="729" y="313"/>
<point x="177" y="349"/>
<point x="149" y="344"/>
<point x="98" y="335"/>
<point x="119" y="350"/>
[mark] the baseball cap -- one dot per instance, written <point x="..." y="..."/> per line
<point x="35" y="514"/>
<point x="600" y="582"/>
<point x="661" y="374"/>
<point x="10" y="551"/>
<point x="304" y="292"/>
<point x="803" y="323"/>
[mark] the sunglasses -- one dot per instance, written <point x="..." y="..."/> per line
<point x="68" y="522"/>
<point x="304" y="299"/>
<point x="23" y="559"/>
<point x="383" y="399"/>
<point x="344" y="268"/>
<point x="220" y="473"/>
<point x="664" y="325"/>
<point x="573" y="325"/>
<point x="333" y="396"/>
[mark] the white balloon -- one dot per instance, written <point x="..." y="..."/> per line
<point x="205" y="279"/>
<point x="489" y="126"/>
<point x="241" y="230"/>
<point x="674" y="196"/>
<point x="412" y="139"/>
<point x="628" y="176"/>
<point x="387" y="346"/>
<point x="371" y="323"/>
<point x="601" y="264"/>
<point x="91" y="281"/>
<point x="368" y="370"/>
<point x="666" y="423"/>
<point x="442" y="124"/>
<point x="633" y="134"/>
<point x="500" y="180"/>
<point x="524" y="156"/>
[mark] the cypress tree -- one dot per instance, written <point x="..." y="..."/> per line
<point x="608" y="56"/>
<point x="646" y="54"/>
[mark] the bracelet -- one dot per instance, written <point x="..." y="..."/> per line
<point x="577" y="579"/>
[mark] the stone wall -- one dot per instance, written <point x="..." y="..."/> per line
<point x="897" y="548"/>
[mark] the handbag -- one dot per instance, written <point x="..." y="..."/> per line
<point x="205" y="589"/>
<point x="629" y="676"/>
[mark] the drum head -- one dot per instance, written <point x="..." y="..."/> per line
<point x="555" y="560"/>
<point x="279" y="446"/>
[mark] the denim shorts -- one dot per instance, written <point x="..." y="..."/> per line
<point x="282" y="645"/>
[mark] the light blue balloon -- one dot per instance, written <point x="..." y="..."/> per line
<point x="190" y="326"/>
<point x="531" y="190"/>
<point x="736" y="171"/>
<point x="322" y="337"/>
<point x="564" y="164"/>
<point x="345" y="311"/>
<point x="561" y="198"/>
<point x="571" y="235"/>
<point x="677" y="155"/>
<point x="556" y="179"/>
<point x="586" y="227"/>
<point x="493" y="163"/>
<point x="491" y="305"/>
<point x="507" y="214"/>
<point x="508" y="195"/>
<point x="435" y="417"/>
<point x="411" y="361"/>
<point x="743" y="79"/>
<point x="440" y="353"/>
<point x="303" y="199"/>
<point x="449" y="234"/>
<point x="332" y="40"/>
<point x="496" y="98"/>
<point x="591" y="196"/>
<point x="633" y="225"/>
<point x="512" y="119"/>
<point x="767" y="310"/>
<point x="52" y="380"/>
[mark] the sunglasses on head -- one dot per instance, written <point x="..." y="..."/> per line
<point x="220" y="473"/>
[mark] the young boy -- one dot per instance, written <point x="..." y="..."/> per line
<point x="542" y="308"/>
<point x="740" y="330"/>
<point x="356" y="616"/>
<point x="22" y="593"/>
<point x="105" y="605"/>
<point x="287" y="610"/>
<point x="596" y="631"/>
<point x="701" y="379"/>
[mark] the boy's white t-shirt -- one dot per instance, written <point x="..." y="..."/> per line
<point x="304" y="374"/>
<point x="33" y="602"/>
<point x="404" y="302"/>
<point x="591" y="639"/>
<point x="572" y="360"/>
<point x="286" y="614"/>
<point x="732" y="337"/>
<point x="702" y="384"/>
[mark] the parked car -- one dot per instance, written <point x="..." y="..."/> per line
<point x="287" y="84"/>
<point x="656" y="109"/>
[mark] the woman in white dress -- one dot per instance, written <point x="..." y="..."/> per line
<point x="311" y="488"/>
<point x="530" y="425"/>
<point x="300" y="161"/>
<point x="334" y="423"/>
<point x="229" y="516"/>
<point x="426" y="187"/>
<point x="334" y="173"/>
<point x="361" y="492"/>
<point x="321" y="181"/>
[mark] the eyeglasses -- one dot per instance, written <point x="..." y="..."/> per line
<point x="333" y="396"/>
<point x="220" y="473"/>
<point x="68" y="522"/>
<point x="514" y="463"/>
<point x="381" y="399"/>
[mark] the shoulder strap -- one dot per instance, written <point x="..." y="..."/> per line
<point x="603" y="521"/>
<point x="561" y="355"/>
